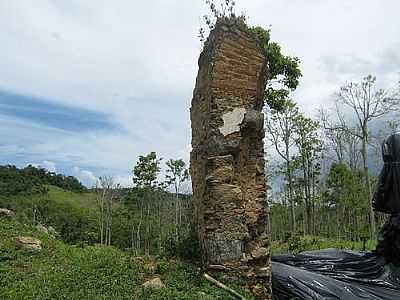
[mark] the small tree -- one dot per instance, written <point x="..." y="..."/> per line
<point x="146" y="171"/>
<point x="177" y="173"/>
<point x="309" y="146"/>
<point x="145" y="178"/>
<point x="280" y="127"/>
<point x="106" y="192"/>
<point x="345" y="192"/>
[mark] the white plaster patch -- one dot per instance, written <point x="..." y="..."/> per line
<point x="232" y="121"/>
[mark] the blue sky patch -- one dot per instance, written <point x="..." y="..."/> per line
<point x="51" y="115"/>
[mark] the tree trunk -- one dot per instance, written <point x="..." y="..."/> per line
<point x="368" y="183"/>
<point x="176" y="217"/>
<point x="290" y="187"/>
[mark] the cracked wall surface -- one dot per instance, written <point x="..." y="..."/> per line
<point x="227" y="159"/>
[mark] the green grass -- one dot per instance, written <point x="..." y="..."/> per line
<point x="84" y="200"/>
<point x="308" y="242"/>
<point x="63" y="271"/>
<point x="56" y="195"/>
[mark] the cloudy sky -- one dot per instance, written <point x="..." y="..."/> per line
<point x="88" y="86"/>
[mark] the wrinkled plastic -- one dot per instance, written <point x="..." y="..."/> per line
<point x="389" y="240"/>
<point x="387" y="195"/>
<point x="334" y="274"/>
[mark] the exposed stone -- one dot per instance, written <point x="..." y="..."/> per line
<point x="227" y="160"/>
<point x="216" y="267"/>
<point x="232" y="121"/>
<point x="154" y="283"/>
<point x="253" y="120"/>
<point x="28" y="243"/>
<point x="6" y="213"/>
<point x="223" y="250"/>
<point x="264" y="272"/>
<point x="260" y="252"/>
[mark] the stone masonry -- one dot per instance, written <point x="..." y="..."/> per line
<point x="227" y="160"/>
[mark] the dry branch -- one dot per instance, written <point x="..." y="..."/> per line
<point x="223" y="286"/>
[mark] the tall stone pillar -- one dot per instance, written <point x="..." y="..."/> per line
<point x="227" y="160"/>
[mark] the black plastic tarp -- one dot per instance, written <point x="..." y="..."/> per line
<point x="387" y="195"/>
<point x="334" y="274"/>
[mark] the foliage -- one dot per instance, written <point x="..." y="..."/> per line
<point x="283" y="71"/>
<point x="177" y="173"/>
<point x="146" y="170"/>
<point x="296" y="243"/>
<point x="32" y="180"/>
<point x="346" y="193"/>
<point x="71" y="214"/>
<point x="187" y="247"/>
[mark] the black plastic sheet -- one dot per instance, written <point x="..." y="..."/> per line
<point x="387" y="195"/>
<point x="334" y="274"/>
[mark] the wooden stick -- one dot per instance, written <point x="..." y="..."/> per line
<point x="223" y="286"/>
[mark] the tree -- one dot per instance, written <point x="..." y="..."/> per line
<point x="177" y="173"/>
<point x="308" y="143"/>
<point x="106" y="192"/>
<point x="283" y="72"/>
<point x="146" y="170"/>
<point x="280" y="127"/>
<point x="346" y="193"/>
<point x="341" y="138"/>
<point x="145" y="178"/>
<point x="367" y="104"/>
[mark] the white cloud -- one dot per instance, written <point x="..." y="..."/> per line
<point x="49" y="165"/>
<point x="124" y="181"/>
<point x="46" y="164"/>
<point x="86" y="177"/>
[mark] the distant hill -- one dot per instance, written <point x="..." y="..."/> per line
<point x="32" y="180"/>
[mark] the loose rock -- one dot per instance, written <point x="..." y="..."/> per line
<point x="6" y="213"/>
<point x="155" y="284"/>
<point x="28" y="243"/>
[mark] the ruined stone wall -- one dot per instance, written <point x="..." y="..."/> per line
<point x="227" y="160"/>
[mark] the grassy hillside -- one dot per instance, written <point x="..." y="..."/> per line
<point x="72" y="214"/>
<point x="83" y="201"/>
<point x="61" y="271"/>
